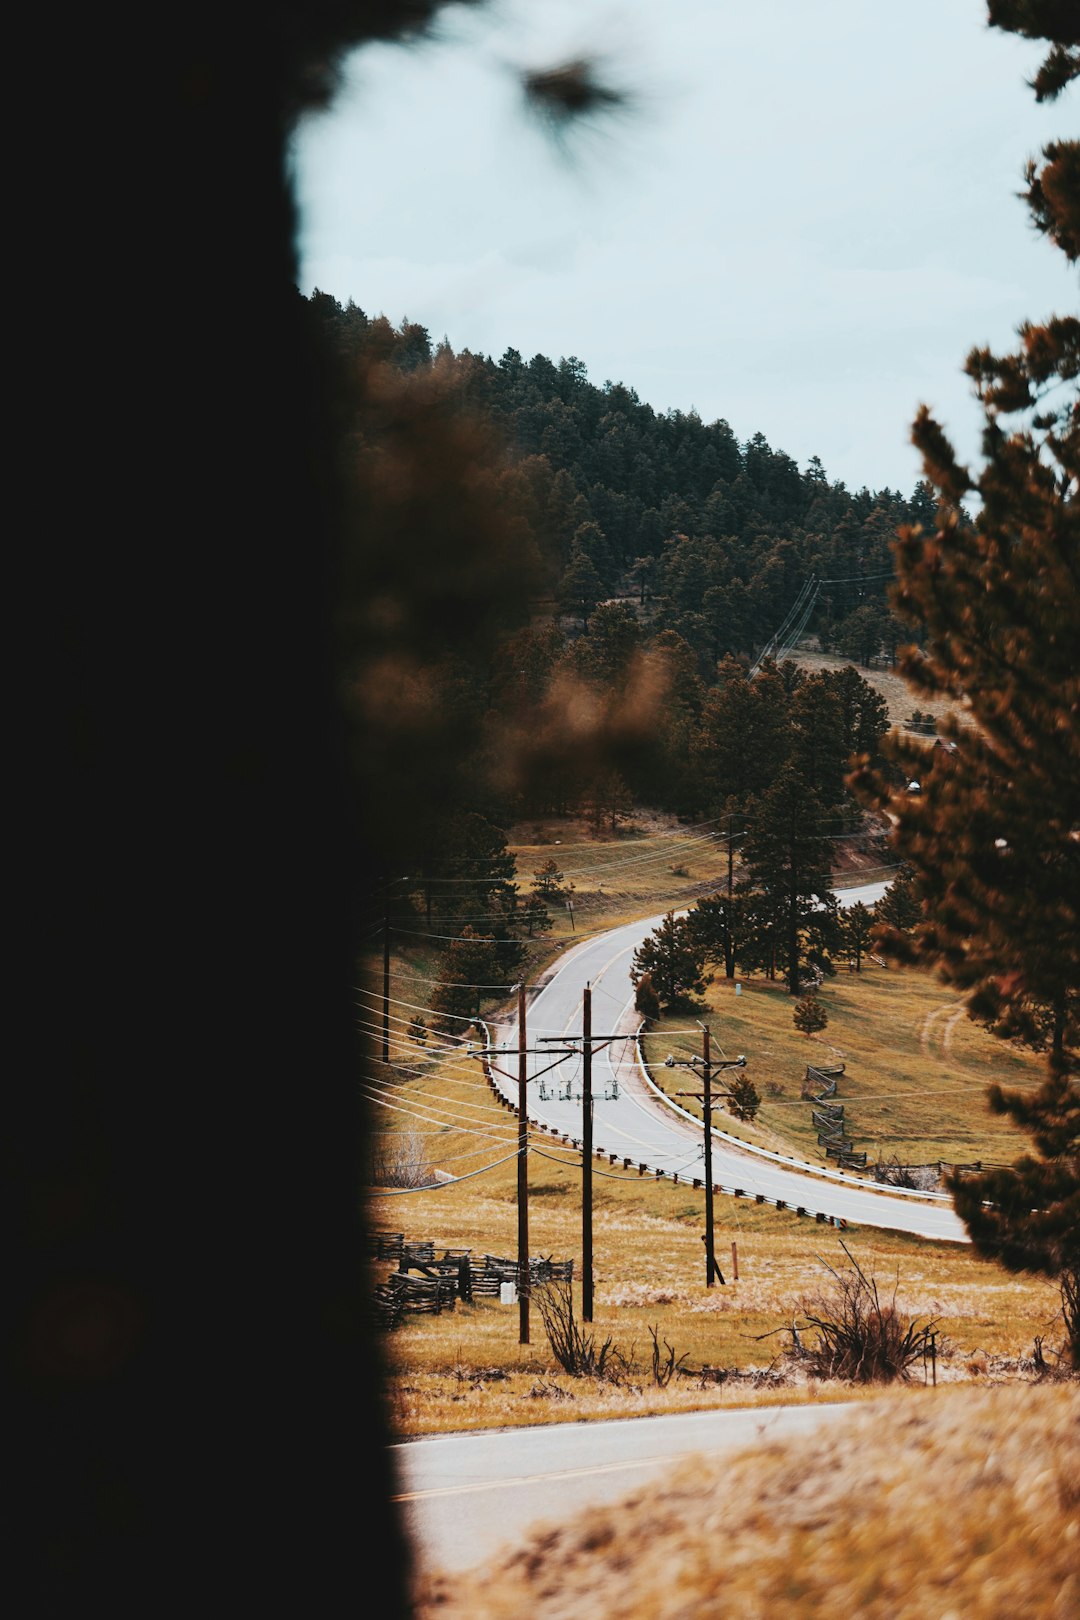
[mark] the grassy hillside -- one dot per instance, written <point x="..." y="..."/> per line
<point x="915" y="1066"/>
<point x="892" y="686"/>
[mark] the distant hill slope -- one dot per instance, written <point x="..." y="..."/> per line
<point x="892" y="686"/>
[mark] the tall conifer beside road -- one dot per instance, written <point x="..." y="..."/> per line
<point x="788" y="857"/>
<point x="672" y="960"/>
<point x="993" y="835"/>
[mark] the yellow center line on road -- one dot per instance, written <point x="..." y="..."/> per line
<point x="598" y="976"/>
<point x="534" y="1479"/>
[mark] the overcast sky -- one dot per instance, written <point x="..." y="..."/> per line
<point x="802" y="223"/>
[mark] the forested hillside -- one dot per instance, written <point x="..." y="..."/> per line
<point x="717" y="536"/>
<point x="557" y="603"/>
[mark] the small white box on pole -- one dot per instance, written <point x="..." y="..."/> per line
<point x="508" y="1293"/>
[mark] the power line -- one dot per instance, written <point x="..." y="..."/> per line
<point x="860" y="579"/>
<point x="378" y="1096"/>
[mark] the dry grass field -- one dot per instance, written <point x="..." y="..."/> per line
<point x="915" y="1073"/>
<point x="651" y="864"/>
<point x="915" y="1066"/>
<point x="957" y="1504"/>
<point x="466" y="1369"/>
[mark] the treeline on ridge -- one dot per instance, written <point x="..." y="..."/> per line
<point x="554" y="604"/>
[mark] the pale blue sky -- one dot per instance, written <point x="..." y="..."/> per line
<point x="804" y="222"/>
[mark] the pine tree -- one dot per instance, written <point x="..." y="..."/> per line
<point x="744" y="735"/>
<point x="535" y="915"/>
<point x="673" y="960"/>
<point x="858" y="926"/>
<point x="758" y="931"/>
<point x="818" y="742"/>
<point x="581" y="587"/>
<point x="994" y="837"/>
<point x="809" y="1016"/>
<point x="469" y="970"/>
<point x="608" y="802"/>
<point x="548" y="880"/>
<point x="717" y="923"/>
<point x="743" y="1098"/>
<point x="898" y="910"/>
<point x="788" y="857"/>
<point x="646" y="1000"/>
<point x="864" y="712"/>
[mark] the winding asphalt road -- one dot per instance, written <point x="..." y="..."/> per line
<point x="634" y="1130"/>
<point x="470" y="1498"/>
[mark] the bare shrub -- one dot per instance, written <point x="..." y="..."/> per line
<point x="664" y="1367"/>
<point x="891" y="1173"/>
<point x="399" y="1160"/>
<point x="480" y="1375"/>
<point x="752" y="1377"/>
<point x="545" y="1390"/>
<point x="859" y="1338"/>
<point x="576" y="1352"/>
<point x="921" y="1177"/>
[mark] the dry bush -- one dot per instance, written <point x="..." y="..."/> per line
<point x="664" y="1367"/>
<point x="545" y="1389"/>
<point x="891" y="1173"/>
<point x="400" y="1160"/>
<point x="916" y="1506"/>
<point x="577" y="1352"/>
<point x="920" y="1177"/>
<point x="860" y="1339"/>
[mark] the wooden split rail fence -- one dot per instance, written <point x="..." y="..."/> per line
<point x="818" y="1084"/>
<point x="489" y="1278"/>
<point x="427" y="1283"/>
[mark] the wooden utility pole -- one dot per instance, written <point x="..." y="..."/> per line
<point x="706" y="1106"/>
<point x="586" y="1157"/>
<point x="523" y="1175"/>
<point x="729" y="952"/>
<point x="386" y="985"/>
<point x="570" y="1048"/>
<point x="704" y="1097"/>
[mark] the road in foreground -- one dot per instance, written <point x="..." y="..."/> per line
<point x="468" y="1498"/>
<point x="632" y="1127"/>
